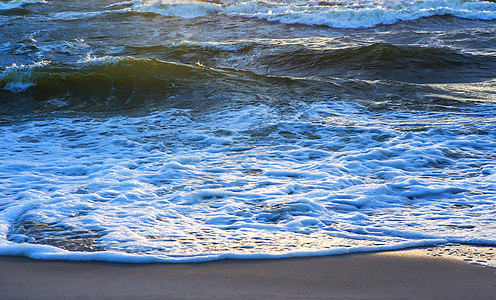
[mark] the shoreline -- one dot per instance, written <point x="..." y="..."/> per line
<point x="404" y="274"/>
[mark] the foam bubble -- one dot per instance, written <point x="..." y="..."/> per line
<point x="167" y="188"/>
<point x="106" y="60"/>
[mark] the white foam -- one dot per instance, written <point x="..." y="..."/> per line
<point x="178" y="8"/>
<point x="71" y="15"/>
<point x="17" y="4"/>
<point x="18" y="77"/>
<point x="345" y="15"/>
<point x="51" y="253"/>
<point x="215" y="46"/>
<point x="106" y="60"/>
<point x="248" y="182"/>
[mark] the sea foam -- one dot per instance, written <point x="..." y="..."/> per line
<point x="17" y="3"/>
<point x="345" y="15"/>
<point x="178" y="8"/>
<point x="248" y="182"/>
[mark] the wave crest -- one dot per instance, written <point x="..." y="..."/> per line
<point x="385" y="61"/>
<point x="8" y="5"/>
<point x="105" y="84"/>
<point x="338" y="15"/>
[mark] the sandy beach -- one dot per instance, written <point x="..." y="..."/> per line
<point x="411" y="274"/>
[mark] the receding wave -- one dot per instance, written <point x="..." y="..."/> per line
<point x="346" y="14"/>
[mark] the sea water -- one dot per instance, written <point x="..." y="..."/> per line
<point x="182" y="130"/>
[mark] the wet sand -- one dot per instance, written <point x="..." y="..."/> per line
<point x="411" y="274"/>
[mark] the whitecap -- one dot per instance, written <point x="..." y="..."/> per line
<point x="18" y="77"/>
<point x="16" y="4"/>
<point x="351" y="14"/>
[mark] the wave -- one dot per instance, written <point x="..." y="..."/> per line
<point x="106" y="83"/>
<point x="188" y="51"/>
<point x="363" y="14"/>
<point x="111" y="84"/>
<point x="8" y="5"/>
<point x="177" y="8"/>
<point x="386" y="61"/>
<point x="406" y="63"/>
<point x="127" y="83"/>
<point x="345" y="15"/>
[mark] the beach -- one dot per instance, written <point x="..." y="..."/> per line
<point x="408" y="274"/>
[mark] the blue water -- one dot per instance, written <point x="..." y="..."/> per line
<point x="181" y="131"/>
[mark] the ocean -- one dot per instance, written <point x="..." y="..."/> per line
<point x="198" y="130"/>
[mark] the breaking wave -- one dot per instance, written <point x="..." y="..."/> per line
<point x="344" y="14"/>
<point x="123" y="83"/>
<point x="8" y="5"/>
<point x="108" y="83"/>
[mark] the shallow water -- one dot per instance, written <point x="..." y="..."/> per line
<point x="195" y="130"/>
